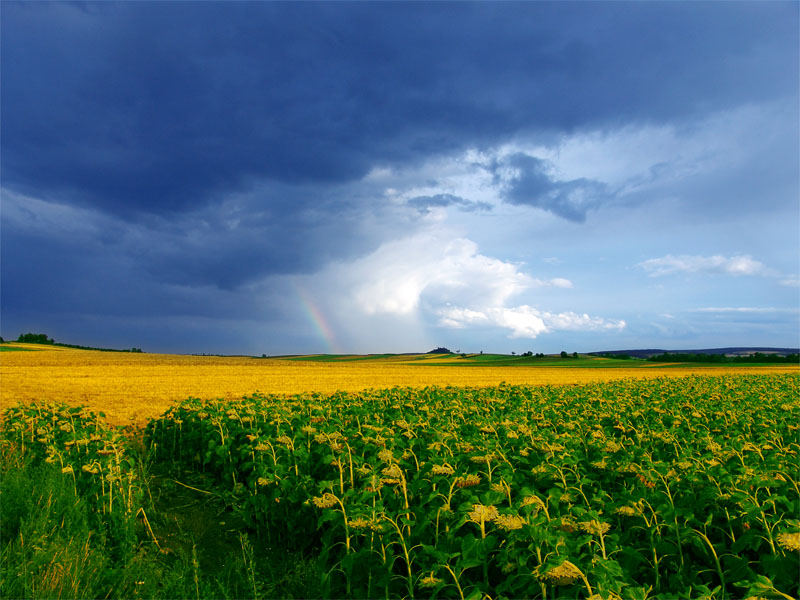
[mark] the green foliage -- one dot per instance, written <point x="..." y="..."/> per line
<point x="34" y="338"/>
<point x="682" y="487"/>
<point x="74" y="522"/>
<point x="41" y="338"/>
<point x="49" y="548"/>
<point x="665" y="488"/>
<point x="67" y="519"/>
<point x="756" y="357"/>
<point x="79" y="347"/>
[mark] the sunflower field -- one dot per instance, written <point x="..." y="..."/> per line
<point x="659" y="488"/>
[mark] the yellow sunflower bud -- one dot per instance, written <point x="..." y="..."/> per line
<point x="481" y="513"/>
<point x="789" y="541"/>
<point x="327" y="500"/>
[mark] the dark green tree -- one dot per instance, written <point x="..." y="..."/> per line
<point x="35" y="338"/>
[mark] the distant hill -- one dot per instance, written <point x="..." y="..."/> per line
<point x="732" y="351"/>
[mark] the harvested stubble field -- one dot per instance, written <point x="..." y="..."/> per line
<point x="131" y="388"/>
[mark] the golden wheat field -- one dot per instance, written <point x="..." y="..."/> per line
<point x="132" y="387"/>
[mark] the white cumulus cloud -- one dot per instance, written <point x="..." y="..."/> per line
<point x="527" y="322"/>
<point x="557" y="282"/>
<point x="401" y="274"/>
<point x="437" y="277"/>
<point x="717" y="264"/>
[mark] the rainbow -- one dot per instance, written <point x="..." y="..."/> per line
<point x="317" y="319"/>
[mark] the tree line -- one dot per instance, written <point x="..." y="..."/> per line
<point x="42" y="338"/>
<point x="756" y="357"/>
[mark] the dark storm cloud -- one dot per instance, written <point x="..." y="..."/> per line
<point x="152" y="107"/>
<point x="225" y="246"/>
<point x="533" y="185"/>
<point x="276" y="230"/>
<point x="109" y="291"/>
<point x="424" y="203"/>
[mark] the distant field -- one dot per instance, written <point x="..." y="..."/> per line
<point x="472" y="360"/>
<point x="132" y="387"/>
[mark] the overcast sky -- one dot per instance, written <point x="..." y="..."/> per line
<point x="380" y="177"/>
